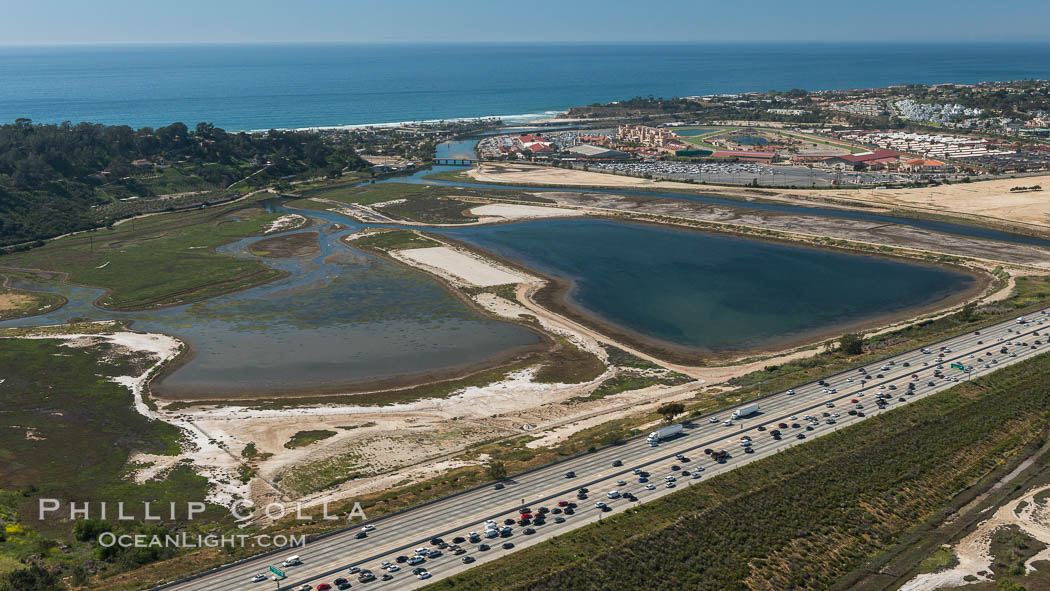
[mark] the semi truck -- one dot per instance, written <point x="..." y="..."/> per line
<point x="745" y="411"/>
<point x="664" y="433"/>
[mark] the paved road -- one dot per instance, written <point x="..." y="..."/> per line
<point x="400" y="534"/>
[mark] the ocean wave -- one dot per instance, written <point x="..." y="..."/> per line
<point x="521" y="118"/>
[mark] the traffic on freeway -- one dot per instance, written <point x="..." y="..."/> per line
<point x="417" y="546"/>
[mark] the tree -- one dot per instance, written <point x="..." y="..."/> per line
<point x="497" y="470"/>
<point x="852" y="343"/>
<point x="671" y="410"/>
<point x="33" y="578"/>
<point x="968" y="312"/>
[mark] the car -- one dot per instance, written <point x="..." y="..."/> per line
<point x="783" y="425"/>
<point x="792" y="418"/>
<point x="353" y="570"/>
<point x="393" y="568"/>
<point x="385" y="564"/>
<point x="415" y="560"/>
<point x="650" y="487"/>
<point x="467" y="559"/>
<point x="439" y="541"/>
<point x="695" y="475"/>
<point x="368" y="527"/>
<point x="801" y="436"/>
<point x="676" y="467"/>
<point x="528" y="531"/>
<point x="361" y="535"/>
<point x="790" y="392"/>
<point x="760" y="428"/>
<point x="749" y="450"/>
<point x="727" y="423"/>
<point x="423" y="576"/>
<point x="906" y="364"/>
<point x="809" y="427"/>
<point x="458" y="540"/>
<point x="613" y="494"/>
<point x="599" y="505"/>
<point x="825" y="414"/>
<point x="570" y="474"/>
<point x="258" y="578"/>
<point x="508" y="521"/>
<point x="617" y="463"/>
<point x="559" y="520"/>
<point x="901" y="399"/>
<point x="386" y="577"/>
<point x="670" y="484"/>
<point x="484" y="547"/>
<point x="304" y="587"/>
<point x="419" y="569"/>
<point x="508" y="545"/>
<point x="498" y="486"/>
<point x="341" y="584"/>
<point x="621" y="483"/>
<point x="929" y="383"/>
<point x="642" y="480"/>
<point x="435" y="553"/>
<point x="795" y="425"/>
<point x="830" y="421"/>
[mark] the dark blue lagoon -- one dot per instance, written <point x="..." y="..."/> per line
<point x="713" y="292"/>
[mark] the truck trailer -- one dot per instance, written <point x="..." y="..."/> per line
<point x="745" y="411"/>
<point x="664" y="433"/>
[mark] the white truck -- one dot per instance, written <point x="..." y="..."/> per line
<point x="664" y="433"/>
<point x="745" y="411"/>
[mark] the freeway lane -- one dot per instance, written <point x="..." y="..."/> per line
<point x="456" y="515"/>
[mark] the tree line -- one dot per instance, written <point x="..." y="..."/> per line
<point x="54" y="176"/>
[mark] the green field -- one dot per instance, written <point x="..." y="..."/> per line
<point x="388" y="240"/>
<point x="17" y="303"/>
<point x="304" y="438"/>
<point x="68" y="434"/>
<point x="159" y="260"/>
<point x="804" y="517"/>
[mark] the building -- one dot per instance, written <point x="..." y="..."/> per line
<point x="879" y="159"/>
<point x="589" y="152"/>
<point x="745" y="155"/>
<point x="924" y="165"/>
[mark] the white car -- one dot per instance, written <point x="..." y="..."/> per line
<point x="423" y="575"/>
<point x="792" y="418"/>
<point x="599" y="505"/>
<point x="393" y="568"/>
<point x="613" y="494"/>
<point x="728" y="423"/>
<point x="650" y="487"/>
<point x="670" y="484"/>
<point x="790" y="392"/>
<point x="368" y="527"/>
<point x="258" y="578"/>
<point x="714" y="419"/>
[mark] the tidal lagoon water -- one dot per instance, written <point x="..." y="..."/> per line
<point x="713" y="292"/>
<point x="341" y="318"/>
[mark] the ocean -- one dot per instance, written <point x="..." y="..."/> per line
<point x="250" y="87"/>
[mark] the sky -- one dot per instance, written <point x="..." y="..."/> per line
<point x="47" y="22"/>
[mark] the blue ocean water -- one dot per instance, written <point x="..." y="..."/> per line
<point x="244" y="87"/>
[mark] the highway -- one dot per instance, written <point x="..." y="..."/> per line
<point x="400" y="534"/>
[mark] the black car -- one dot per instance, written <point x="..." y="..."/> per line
<point x="341" y="583"/>
<point x="676" y="467"/>
<point x="808" y="428"/>
<point x="617" y="463"/>
<point x="361" y="535"/>
<point x="539" y="522"/>
<point x="852" y="411"/>
<point x="583" y="489"/>
<point x="748" y="450"/>
<point x="929" y="383"/>
<point x="795" y="425"/>
<point x="559" y="520"/>
<point x="570" y="475"/>
<point x="437" y="541"/>
<point x="570" y="511"/>
<point x="801" y="436"/>
<point x="860" y="413"/>
<point x="901" y="399"/>
<point x="907" y="364"/>
<point x="505" y="534"/>
<point x="893" y="387"/>
<point x="508" y="521"/>
<point x="508" y="545"/>
<point x="467" y="559"/>
<point x="528" y="531"/>
<point x="458" y="540"/>
<point x="401" y="559"/>
<point x="761" y="428"/>
<point x="419" y="569"/>
<point x="386" y="577"/>
<point x="484" y="547"/>
<point x="826" y="414"/>
<point x="498" y="486"/>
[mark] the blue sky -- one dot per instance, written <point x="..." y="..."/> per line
<point x="370" y="21"/>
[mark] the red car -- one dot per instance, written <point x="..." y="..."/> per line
<point x="563" y="503"/>
<point x="854" y="401"/>
<point x="783" y="425"/>
<point x="526" y="515"/>
<point x="324" y="587"/>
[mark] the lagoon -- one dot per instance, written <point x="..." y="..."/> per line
<point x="710" y="292"/>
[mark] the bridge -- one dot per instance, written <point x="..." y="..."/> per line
<point x="454" y="161"/>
